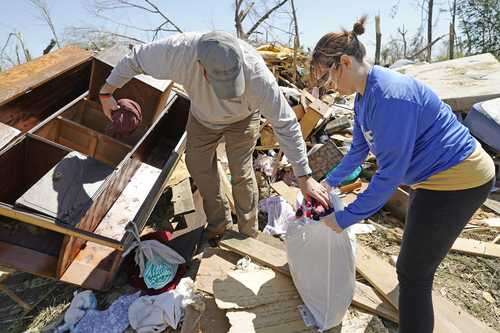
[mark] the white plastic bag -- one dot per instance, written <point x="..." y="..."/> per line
<point x="322" y="264"/>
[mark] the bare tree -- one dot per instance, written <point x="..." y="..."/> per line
<point x="6" y="60"/>
<point x="240" y="14"/>
<point x="430" y="6"/>
<point x="96" y="38"/>
<point x="402" y="31"/>
<point x="43" y="7"/>
<point x="148" y="6"/>
<point x="453" y="10"/>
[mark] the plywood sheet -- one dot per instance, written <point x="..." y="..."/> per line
<point x="460" y="82"/>
<point x="281" y="317"/>
<point x="247" y="289"/>
<point x="66" y="192"/>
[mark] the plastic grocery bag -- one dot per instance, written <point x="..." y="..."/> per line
<point x="322" y="264"/>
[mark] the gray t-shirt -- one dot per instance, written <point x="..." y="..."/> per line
<point x="175" y="58"/>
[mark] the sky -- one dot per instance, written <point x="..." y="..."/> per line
<point x="315" y="17"/>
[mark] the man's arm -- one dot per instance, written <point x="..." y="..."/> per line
<point x="277" y="110"/>
<point x="164" y="59"/>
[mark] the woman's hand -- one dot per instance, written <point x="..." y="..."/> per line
<point x="311" y="188"/>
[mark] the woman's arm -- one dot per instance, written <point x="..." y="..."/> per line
<point x="394" y="128"/>
<point x="356" y="155"/>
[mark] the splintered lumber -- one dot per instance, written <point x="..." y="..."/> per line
<point x="287" y="192"/>
<point x="460" y="82"/>
<point x="364" y="297"/>
<point x="182" y="198"/>
<point x="382" y="276"/>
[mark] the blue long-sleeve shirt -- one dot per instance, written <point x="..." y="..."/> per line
<point x="412" y="133"/>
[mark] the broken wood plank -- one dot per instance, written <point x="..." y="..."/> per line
<point x="182" y="198"/>
<point x="276" y="259"/>
<point x="287" y="192"/>
<point x="461" y="245"/>
<point x="475" y="247"/>
<point x="383" y="277"/>
<point x="309" y="121"/>
<point x="374" y="270"/>
<point x="494" y="205"/>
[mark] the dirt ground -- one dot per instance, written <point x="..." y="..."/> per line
<point x="471" y="282"/>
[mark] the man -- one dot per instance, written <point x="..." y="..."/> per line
<point x="229" y="86"/>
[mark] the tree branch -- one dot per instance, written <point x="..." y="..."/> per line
<point x="264" y="17"/>
<point x="427" y="46"/>
<point x="43" y="7"/>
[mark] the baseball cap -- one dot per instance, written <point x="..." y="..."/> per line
<point x="220" y="53"/>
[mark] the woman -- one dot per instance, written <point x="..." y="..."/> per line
<point x="417" y="141"/>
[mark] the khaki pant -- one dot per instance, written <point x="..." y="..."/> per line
<point x="201" y="160"/>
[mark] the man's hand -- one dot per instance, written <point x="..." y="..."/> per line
<point x="107" y="100"/>
<point x="312" y="188"/>
<point x="331" y="222"/>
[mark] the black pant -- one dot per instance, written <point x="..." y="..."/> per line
<point x="433" y="223"/>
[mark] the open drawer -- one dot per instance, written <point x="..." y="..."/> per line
<point x="61" y="196"/>
<point x="76" y="187"/>
<point x="32" y="92"/>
